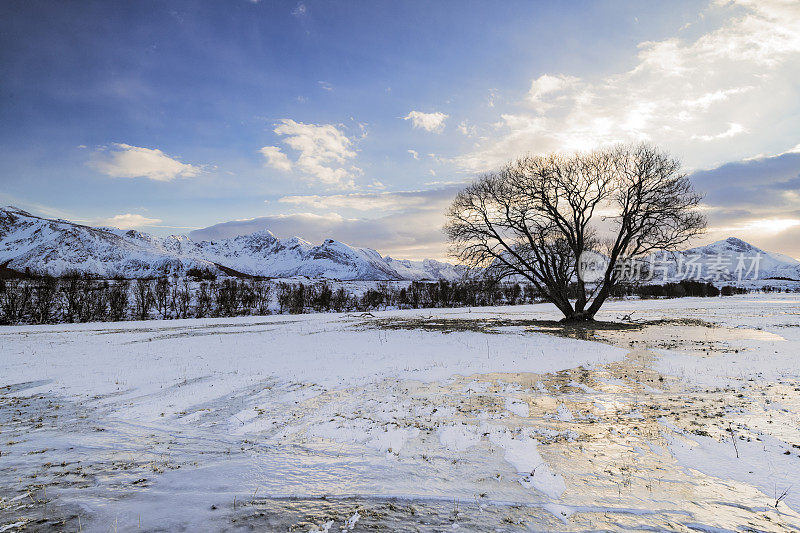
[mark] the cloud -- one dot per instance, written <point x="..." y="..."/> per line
<point x="547" y="86"/>
<point x="409" y="226"/>
<point x="738" y="79"/>
<point x="753" y="183"/>
<point x="733" y="129"/>
<point x="384" y="201"/>
<point x="129" y="221"/>
<point x="276" y="158"/>
<point x="467" y="129"/>
<point x="770" y="225"/>
<point x="706" y="100"/>
<point x="414" y="154"/>
<point x="433" y="122"/>
<point x="323" y="153"/>
<point x="419" y="237"/>
<point x="757" y="200"/>
<point x="126" y="161"/>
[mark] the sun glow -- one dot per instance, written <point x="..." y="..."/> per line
<point x="771" y="225"/>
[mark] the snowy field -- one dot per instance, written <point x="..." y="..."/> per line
<point x="686" y="417"/>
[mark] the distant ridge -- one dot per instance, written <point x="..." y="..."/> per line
<point x="42" y="245"/>
<point x="58" y="246"/>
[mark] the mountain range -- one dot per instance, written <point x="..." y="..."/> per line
<point x="42" y="245"/>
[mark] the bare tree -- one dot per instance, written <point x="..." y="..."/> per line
<point x="261" y="291"/>
<point x="538" y="216"/>
<point x="118" y="300"/>
<point x="184" y="298"/>
<point x="45" y="299"/>
<point x="143" y="298"/>
<point x="15" y="301"/>
<point x="228" y="297"/>
<point x="204" y="298"/>
<point x="71" y="295"/>
<point x="96" y="301"/>
<point x="161" y="295"/>
<point x="174" y="291"/>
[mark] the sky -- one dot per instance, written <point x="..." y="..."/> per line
<point x="360" y="120"/>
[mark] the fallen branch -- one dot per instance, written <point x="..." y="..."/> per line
<point x="733" y="438"/>
<point x="782" y="496"/>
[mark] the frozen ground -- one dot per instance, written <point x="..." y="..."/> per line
<point x="687" y="418"/>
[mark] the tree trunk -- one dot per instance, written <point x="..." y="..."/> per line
<point x="582" y="316"/>
<point x="599" y="299"/>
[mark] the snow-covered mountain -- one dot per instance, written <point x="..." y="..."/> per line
<point x="730" y="259"/>
<point x="59" y="246"/>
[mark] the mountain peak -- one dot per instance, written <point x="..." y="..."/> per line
<point x="260" y="234"/>
<point x="297" y="241"/>
<point x="736" y="241"/>
<point x="15" y="209"/>
<point x="730" y="244"/>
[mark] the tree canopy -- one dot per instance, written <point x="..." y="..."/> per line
<point x="539" y="215"/>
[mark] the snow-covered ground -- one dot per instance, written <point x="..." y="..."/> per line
<point x="479" y="419"/>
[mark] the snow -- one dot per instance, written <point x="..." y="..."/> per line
<point x="518" y="407"/>
<point x="553" y="432"/>
<point x="760" y="463"/>
<point x="459" y="438"/>
<point x="520" y="450"/>
<point x="351" y="522"/>
<point x="134" y="359"/>
<point x="325" y="527"/>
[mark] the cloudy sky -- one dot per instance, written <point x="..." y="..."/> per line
<point x="359" y="120"/>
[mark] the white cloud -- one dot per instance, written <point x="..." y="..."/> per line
<point x="757" y="200"/>
<point x="705" y="101"/>
<point x="129" y="221"/>
<point x="411" y="229"/>
<point x="771" y="225"/>
<point x="733" y="129"/>
<point x="548" y="86"/>
<point x="384" y="201"/>
<point x="433" y="122"/>
<point x="276" y="158"/>
<point x="414" y="154"/>
<point x="324" y="151"/>
<point x="741" y="72"/>
<point x="126" y="161"/>
<point x="465" y="128"/>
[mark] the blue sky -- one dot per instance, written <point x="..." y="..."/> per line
<point x="359" y="120"/>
